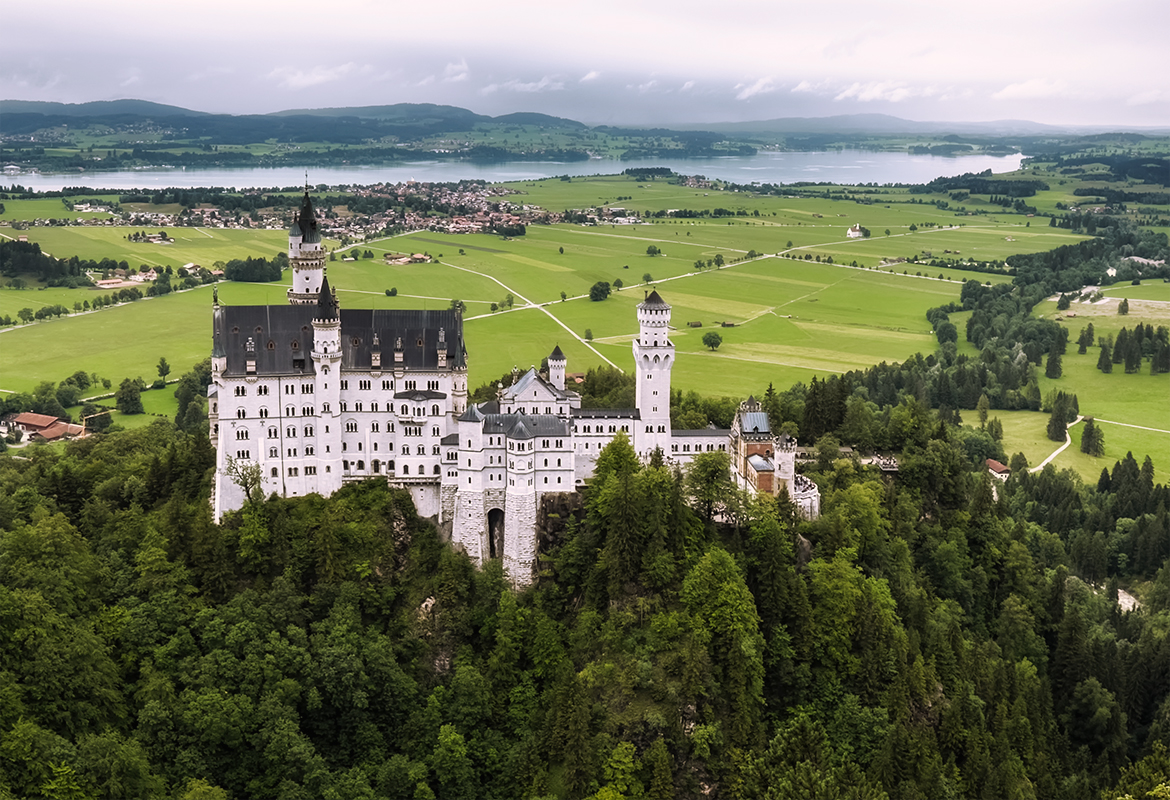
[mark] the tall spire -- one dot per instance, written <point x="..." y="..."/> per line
<point x="326" y="302"/>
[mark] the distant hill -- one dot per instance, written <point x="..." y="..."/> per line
<point x="96" y="108"/>
<point x="428" y="114"/>
<point x="871" y="124"/>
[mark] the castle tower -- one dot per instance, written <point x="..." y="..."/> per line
<point x="653" y="359"/>
<point x="556" y="368"/>
<point x="305" y="255"/>
<point x="326" y="357"/>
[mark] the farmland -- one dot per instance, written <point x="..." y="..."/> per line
<point x="785" y="315"/>
<point x="792" y="318"/>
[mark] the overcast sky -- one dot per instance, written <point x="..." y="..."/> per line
<point x="640" y="62"/>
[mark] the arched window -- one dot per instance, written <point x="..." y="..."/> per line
<point x="434" y="410"/>
<point x="361" y="466"/>
<point x="271" y="345"/>
<point x="296" y="345"/>
<point x="437" y="470"/>
<point x="274" y="472"/>
<point x="404" y="412"/>
<point x="376" y="465"/>
<point x="405" y="469"/>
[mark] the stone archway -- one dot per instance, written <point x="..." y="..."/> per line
<point x="495" y="532"/>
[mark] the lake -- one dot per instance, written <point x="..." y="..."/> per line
<point x="839" y="166"/>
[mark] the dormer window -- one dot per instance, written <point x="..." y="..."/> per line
<point x="296" y="345"/>
<point x="271" y="345"/>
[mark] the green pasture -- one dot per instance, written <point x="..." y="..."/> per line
<point x="1025" y="432"/>
<point x="1147" y="291"/>
<point x="203" y="246"/>
<point x="50" y="208"/>
<point x="35" y="297"/>
<point x="123" y="341"/>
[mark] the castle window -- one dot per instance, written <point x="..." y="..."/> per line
<point x="241" y="391"/>
<point x="306" y="411"/>
<point x="241" y="413"/>
<point x="325" y="410"/>
<point x="674" y="448"/>
<point x="259" y="330"/>
<point x="272" y="433"/>
<point x="364" y="385"/>
<point x="374" y="427"/>
<point x="405" y="413"/>
<point x="292" y="452"/>
<point x="405" y="449"/>
<point x="433" y="386"/>
<point x="376" y="465"/>
<point x="546" y="480"/>
<point x="558" y="464"/>
<point x="435" y="450"/>
<point x="236" y="329"/>
<point x="387" y="386"/>
<point x="437" y="470"/>
<point x="357" y="406"/>
<point x="290" y="432"/>
<point x="243" y="454"/>
<point x="242" y="434"/>
<point x="273" y="452"/>
<point x="264" y="413"/>
<point x="271" y="345"/>
<point x="686" y="448"/>
<point x="344" y="385"/>
<point x="351" y="427"/>
<point x="406" y="469"/>
<point x="374" y="406"/>
<point x="310" y="451"/>
<point x="434" y="430"/>
<point x="275" y="473"/>
<point x="434" y="410"/>
<point x="546" y="462"/>
<point x="345" y="465"/>
<point x="311" y="470"/>
<point x="419" y="342"/>
<point x="355" y="341"/>
<point x="422" y="451"/>
<point x="290" y="389"/>
<point x="296" y="345"/>
<point x="262" y="390"/>
<point x="344" y="405"/>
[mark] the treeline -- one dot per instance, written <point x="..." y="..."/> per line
<point x="1070" y="267"/>
<point x="980" y="183"/>
<point x="1130" y="348"/>
<point x="921" y="639"/>
<point x="256" y="269"/>
<point x="25" y="258"/>
<point x="1120" y="196"/>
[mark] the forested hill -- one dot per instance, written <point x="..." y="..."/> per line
<point x="928" y="637"/>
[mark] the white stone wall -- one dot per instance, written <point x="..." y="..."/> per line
<point x="520" y="536"/>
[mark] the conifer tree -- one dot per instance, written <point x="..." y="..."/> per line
<point x="1105" y="360"/>
<point x="1092" y="438"/>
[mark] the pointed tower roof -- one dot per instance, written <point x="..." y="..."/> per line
<point x="326" y="302"/>
<point x="305" y="222"/>
<point x="655" y="299"/>
<point x="556" y="354"/>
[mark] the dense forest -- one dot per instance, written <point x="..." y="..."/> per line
<point x="930" y="636"/>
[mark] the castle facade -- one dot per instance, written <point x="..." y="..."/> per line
<point x="314" y="396"/>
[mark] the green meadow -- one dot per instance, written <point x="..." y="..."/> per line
<point x="788" y="319"/>
<point x="203" y="246"/>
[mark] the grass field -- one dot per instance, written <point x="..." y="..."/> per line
<point x="51" y="208"/>
<point x="202" y="246"/>
<point x="790" y="319"/>
<point x="1117" y="400"/>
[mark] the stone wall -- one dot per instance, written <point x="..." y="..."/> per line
<point x="520" y="537"/>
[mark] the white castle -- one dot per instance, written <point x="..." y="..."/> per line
<point x="305" y="391"/>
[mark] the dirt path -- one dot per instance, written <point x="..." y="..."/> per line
<point x="1059" y="450"/>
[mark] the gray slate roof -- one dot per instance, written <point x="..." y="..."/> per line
<point x="754" y="422"/>
<point x="525" y="426"/>
<point x="284" y="325"/>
